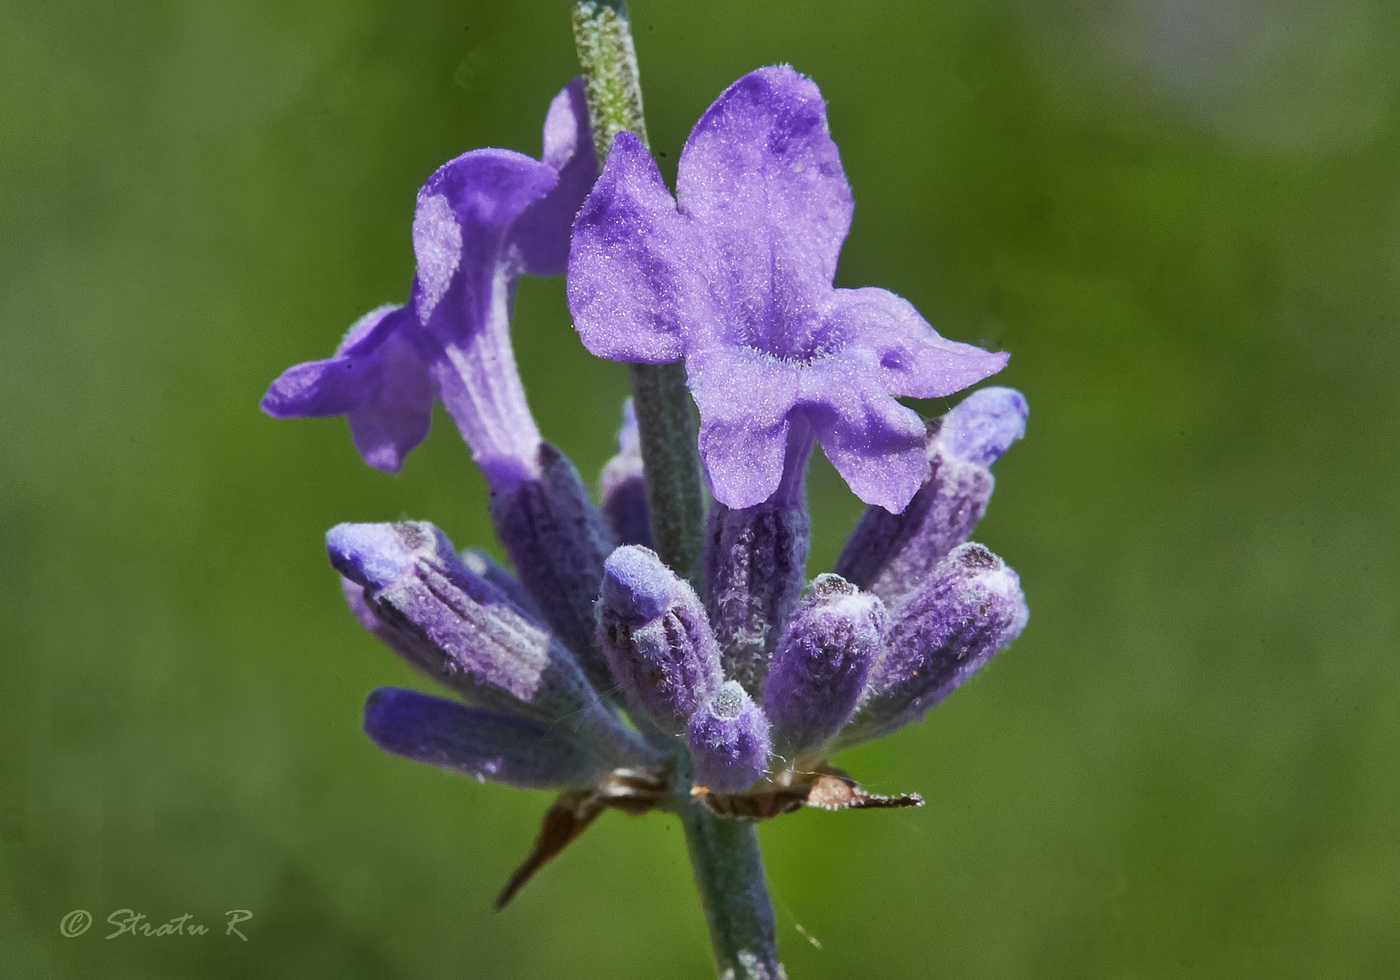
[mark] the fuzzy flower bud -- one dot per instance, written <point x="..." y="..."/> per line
<point x="461" y="630"/>
<point x="557" y="540"/>
<point x="821" y="666"/>
<point x="755" y="562"/>
<point x="483" y="744"/>
<point x="658" y="644"/>
<point x="970" y="608"/>
<point x="623" y="485"/>
<point x="729" y="741"/>
<point x="890" y="554"/>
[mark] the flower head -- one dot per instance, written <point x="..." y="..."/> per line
<point x="481" y="221"/>
<point x="734" y="274"/>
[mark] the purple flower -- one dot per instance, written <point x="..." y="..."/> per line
<point x="481" y="220"/>
<point x="735" y="275"/>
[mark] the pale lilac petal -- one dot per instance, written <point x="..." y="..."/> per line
<point x="397" y="417"/>
<point x="761" y="173"/>
<point x="744" y="464"/>
<point x="637" y="280"/>
<point x="377" y="379"/>
<point x="914" y="360"/>
<point x="875" y="443"/>
<point x="541" y="236"/>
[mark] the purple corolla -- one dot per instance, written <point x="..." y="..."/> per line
<point x="734" y="274"/>
<point x="481" y="221"/>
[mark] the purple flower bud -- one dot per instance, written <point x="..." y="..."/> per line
<point x="480" y="563"/>
<point x="755" y="562"/>
<point x="483" y="744"/>
<point x="458" y="628"/>
<point x="971" y="607"/>
<point x="623" y="485"/>
<point x="728" y="739"/>
<point x="652" y="628"/>
<point x="890" y="554"/>
<point x="557" y="540"/>
<point x="821" y="665"/>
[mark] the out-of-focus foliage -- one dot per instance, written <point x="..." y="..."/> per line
<point x="1182" y="218"/>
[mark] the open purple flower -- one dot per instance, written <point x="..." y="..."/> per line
<point x="481" y="221"/>
<point x="735" y="275"/>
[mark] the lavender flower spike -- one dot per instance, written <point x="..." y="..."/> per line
<point x="971" y="607"/>
<point x="735" y="275"/>
<point x="890" y="554"/>
<point x="658" y="643"/>
<point x="483" y="744"/>
<point x="623" y="485"/>
<point x="820" y="668"/>
<point x="729" y="741"/>
<point x="481" y="220"/>
<point x="458" y="628"/>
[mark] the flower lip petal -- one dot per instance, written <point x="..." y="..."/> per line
<point x="541" y="236"/>
<point x="637" y="284"/>
<point x="334" y="386"/>
<point x="760" y="165"/>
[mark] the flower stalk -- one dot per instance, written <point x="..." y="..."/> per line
<point x="603" y="38"/>
<point x="724" y="852"/>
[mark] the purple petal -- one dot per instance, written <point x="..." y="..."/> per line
<point x="463" y="295"/>
<point x="744" y="463"/>
<point x="914" y="360"/>
<point x="482" y="744"/>
<point x="541" y="236"/>
<point x="377" y="379"/>
<point x="637" y="279"/>
<point x="744" y="399"/>
<point x="761" y="172"/>
<point x="875" y="443"/>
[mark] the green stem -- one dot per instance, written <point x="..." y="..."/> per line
<point x="724" y="852"/>
<point x="728" y="870"/>
<point x="671" y="464"/>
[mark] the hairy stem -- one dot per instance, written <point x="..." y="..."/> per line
<point x="728" y="870"/>
<point x="671" y="465"/>
<point x="723" y="852"/>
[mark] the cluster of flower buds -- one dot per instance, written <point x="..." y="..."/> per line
<point x="860" y="655"/>
<point x="594" y="668"/>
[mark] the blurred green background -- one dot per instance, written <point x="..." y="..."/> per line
<point x="1181" y="217"/>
